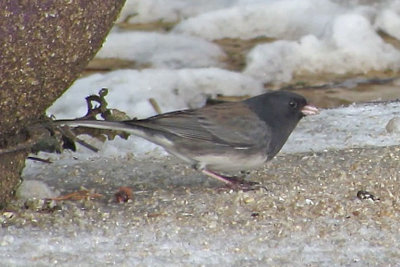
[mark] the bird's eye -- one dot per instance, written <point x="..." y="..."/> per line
<point x="293" y="104"/>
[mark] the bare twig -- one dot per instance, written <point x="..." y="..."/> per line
<point x="40" y="159"/>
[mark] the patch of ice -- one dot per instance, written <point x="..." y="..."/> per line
<point x="354" y="126"/>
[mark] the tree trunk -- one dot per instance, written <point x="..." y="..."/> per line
<point x="44" y="46"/>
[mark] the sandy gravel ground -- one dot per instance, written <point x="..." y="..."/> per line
<point x="308" y="215"/>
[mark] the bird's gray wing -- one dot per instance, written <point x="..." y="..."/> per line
<point x="236" y="124"/>
<point x="230" y="124"/>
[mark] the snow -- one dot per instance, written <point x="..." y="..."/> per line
<point x="311" y="36"/>
<point x="162" y="50"/>
<point x="136" y="11"/>
<point x="287" y="19"/>
<point x="389" y="21"/>
<point x="353" y="47"/>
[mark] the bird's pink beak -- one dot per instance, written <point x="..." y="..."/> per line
<point x="309" y="110"/>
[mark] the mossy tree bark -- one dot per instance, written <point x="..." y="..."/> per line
<point x="44" y="46"/>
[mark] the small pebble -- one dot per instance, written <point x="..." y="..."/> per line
<point x="362" y="194"/>
<point x="393" y="126"/>
<point x="34" y="189"/>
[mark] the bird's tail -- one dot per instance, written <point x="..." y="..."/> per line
<point x="106" y="125"/>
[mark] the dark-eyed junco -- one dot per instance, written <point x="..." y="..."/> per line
<point x="224" y="137"/>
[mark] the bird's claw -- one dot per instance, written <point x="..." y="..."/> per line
<point x="236" y="183"/>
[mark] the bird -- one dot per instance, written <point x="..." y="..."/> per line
<point x="229" y="136"/>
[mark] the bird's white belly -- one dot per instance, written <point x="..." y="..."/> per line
<point x="231" y="163"/>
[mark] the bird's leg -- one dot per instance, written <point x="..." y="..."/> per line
<point x="227" y="180"/>
<point x="224" y="179"/>
<point x="233" y="182"/>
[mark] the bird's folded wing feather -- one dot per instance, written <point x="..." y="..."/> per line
<point x="229" y="124"/>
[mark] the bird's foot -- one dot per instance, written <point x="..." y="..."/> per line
<point x="236" y="183"/>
